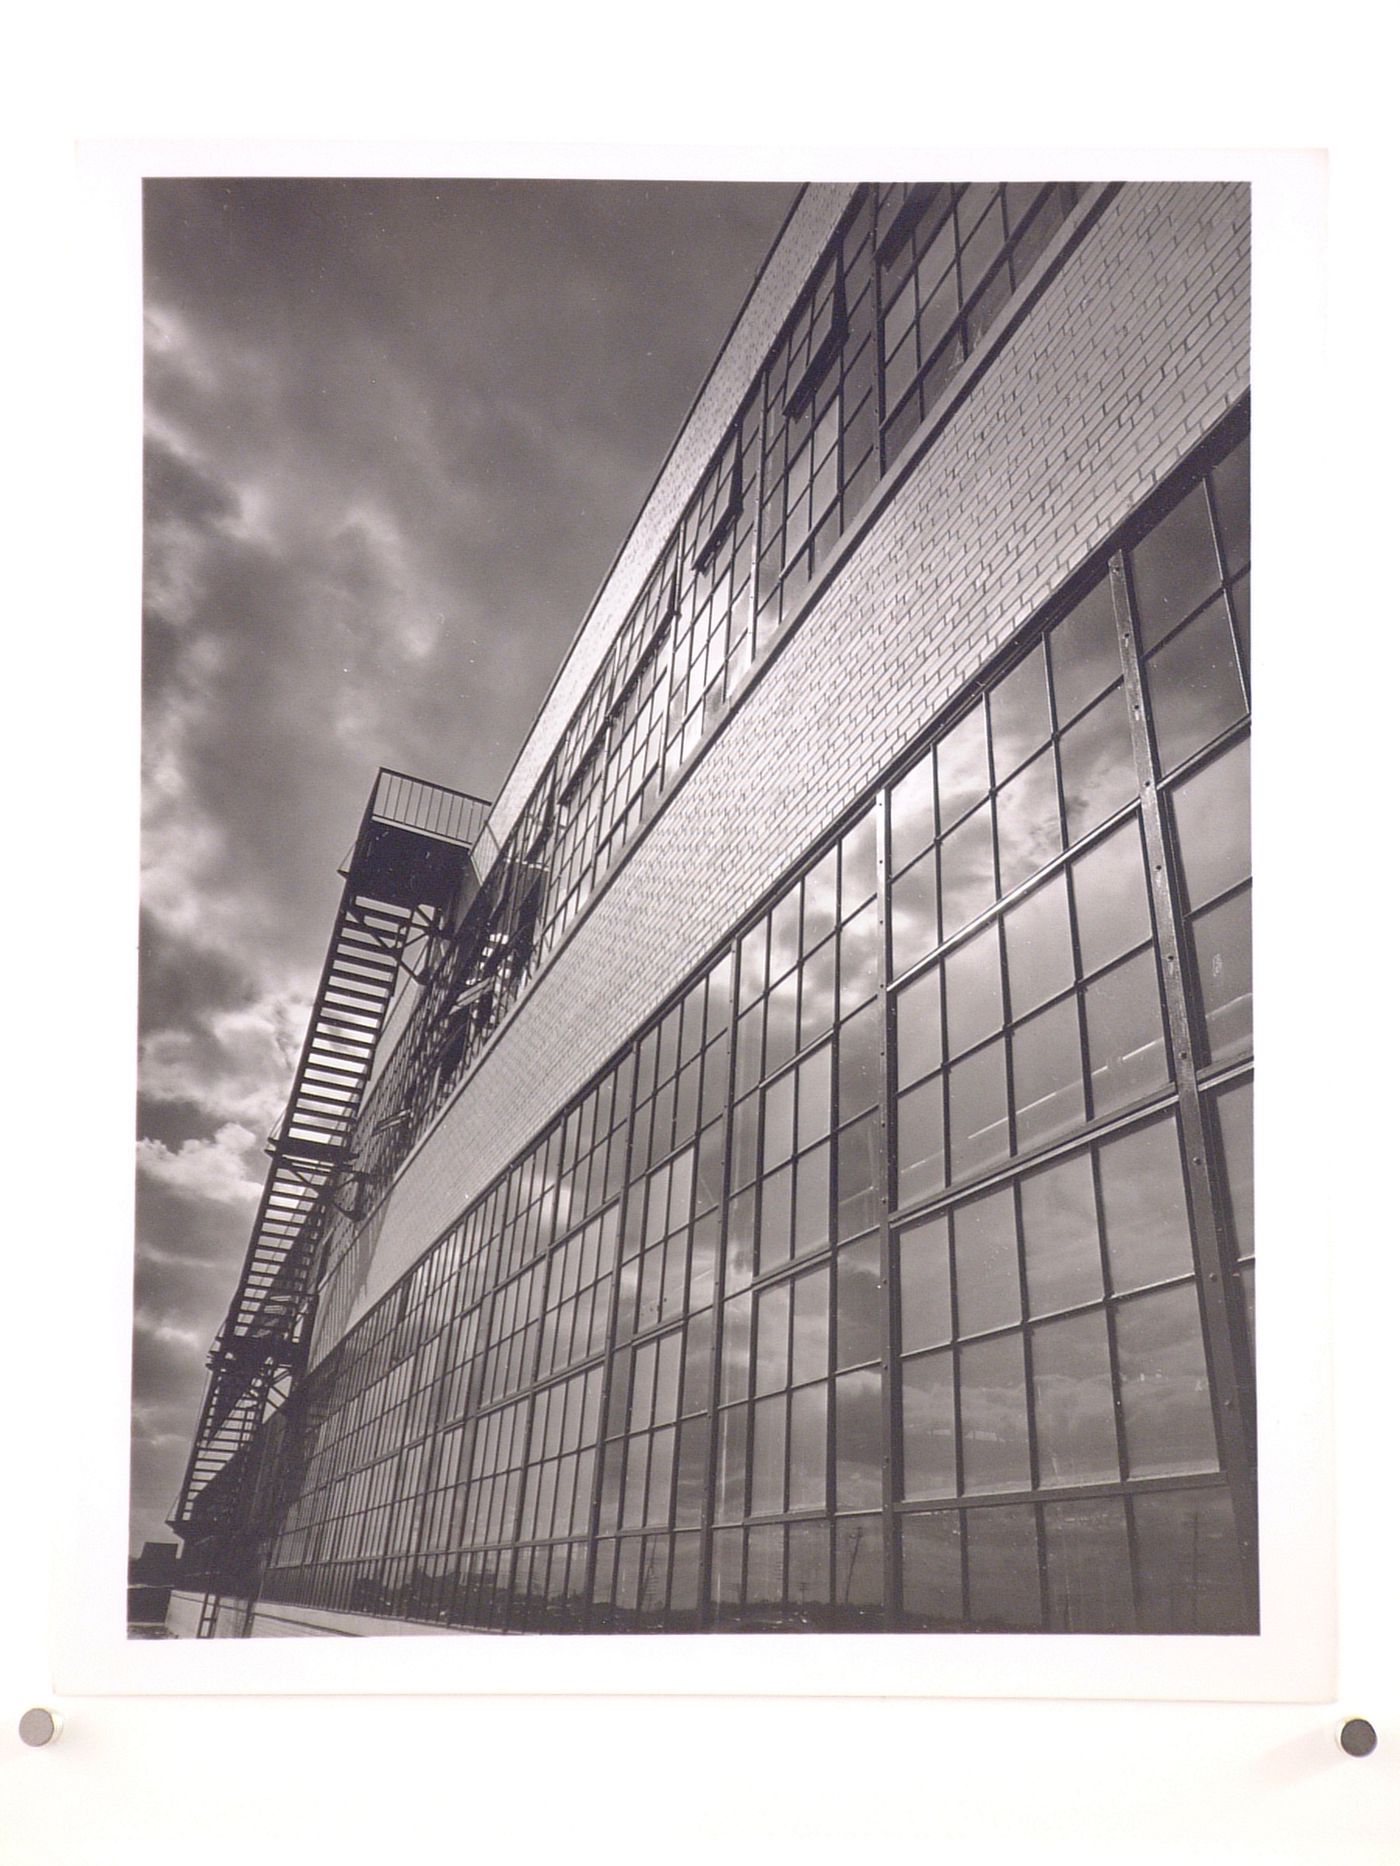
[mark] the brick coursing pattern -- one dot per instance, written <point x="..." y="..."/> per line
<point x="1139" y="345"/>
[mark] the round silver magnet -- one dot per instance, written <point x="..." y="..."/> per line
<point x="39" y="1726"/>
<point x="1357" y="1736"/>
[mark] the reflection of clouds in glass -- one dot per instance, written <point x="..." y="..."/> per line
<point x="859" y="1439"/>
<point x="1075" y="1436"/>
<point x="929" y="1453"/>
<point x="1096" y="765"/>
<point x="1144" y="1203"/>
<point x="1166" y="1397"/>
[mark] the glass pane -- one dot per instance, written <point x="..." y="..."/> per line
<point x="984" y="1254"/>
<point x="1110" y="897"/>
<point x="1234" y="1113"/>
<point x="922" y="1167"/>
<point x="818" y="993"/>
<point x="734" y="1369"/>
<point x="925" y="1304"/>
<point x="973" y="974"/>
<point x="931" y="1569"/>
<point x="860" y="1158"/>
<point x="860" y="1304"/>
<point x="919" y="1028"/>
<point x="1166" y="1397"/>
<point x="769" y="1455"/>
<point x="775" y="1220"/>
<point x="753" y="964"/>
<point x="1174" y="568"/>
<point x="1189" y="1577"/>
<point x="1211" y="813"/>
<point x="982" y="243"/>
<point x="726" y="1574"/>
<point x="1096" y="765"/>
<point x="967" y="881"/>
<point x="1144" y="1207"/>
<point x="1060" y="1232"/>
<point x="1231" y="482"/>
<point x="733" y="1464"/>
<point x="819" y="901"/>
<point x="813" y="1097"/>
<point x="744" y="1146"/>
<point x="780" y="1038"/>
<point x="1003" y="1570"/>
<point x="1084" y="655"/>
<point x="1239" y="596"/>
<point x="857" y="864"/>
<point x="748" y="1062"/>
<point x="911" y="814"/>
<point x="1020" y="710"/>
<point x="1038" y="232"/>
<point x="1194" y="688"/>
<point x="859" y="1440"/>
<point x="771" y="1340"/>
<point x="858" y="1074"/>
<point x="963" y="776"/>
<point x="1028" y="821"/>
<point x="809" y="1325"/>
<point x="778" y="1103"/>
<point x="860" y="1571"/>
<point x="811" y="1218"/>
<point x="807" y="1449"/>
<point x="992" y="1388"/>
<point x="977" y="1125"/>
<point x="1048" y="1073"/>
<point x="1225" y="973"/>
<point x="1088" y="1573"/>
<point x="809" y="1570"/>
<point x="930" y="1461"/>
<point x="914" y="913"/>
<point x="1127" y="1057"/>
<point x="1075" y="1437"/>
<point x="1039" y="957"/>
<point x="900" y="316"/>
<point x="860" y="956"/>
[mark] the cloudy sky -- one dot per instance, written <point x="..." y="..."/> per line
<point x="396" y="431"/>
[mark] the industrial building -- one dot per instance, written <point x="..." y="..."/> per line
<point x="784" y="1164"/>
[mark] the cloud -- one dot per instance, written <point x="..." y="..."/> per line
<point x="396" y="432"/>
<point x="234" y="1063"/>
<point x="214" y="1169"/>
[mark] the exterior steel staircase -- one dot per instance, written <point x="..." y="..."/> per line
<point x="409" y="858"/>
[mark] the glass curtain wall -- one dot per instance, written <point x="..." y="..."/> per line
<point x="899" y="1276"/>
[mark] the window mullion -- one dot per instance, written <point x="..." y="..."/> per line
<point x="1225" y="1351"/>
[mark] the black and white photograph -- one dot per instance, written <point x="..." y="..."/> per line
<point x="696" y="1041"/>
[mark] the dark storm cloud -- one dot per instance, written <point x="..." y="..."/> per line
<point x="396" y="433"/>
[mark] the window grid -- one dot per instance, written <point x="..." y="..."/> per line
<point x="747" y="1395"/>
<point x="686" y="647"/>
<point x="950" y="256"/>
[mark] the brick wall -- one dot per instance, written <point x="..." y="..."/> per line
<point x="1138" y="346"/>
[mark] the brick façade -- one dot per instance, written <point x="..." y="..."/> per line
<point x="1138" y="345"/>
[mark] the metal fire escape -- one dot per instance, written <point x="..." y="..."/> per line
<point x="409" y="858"/>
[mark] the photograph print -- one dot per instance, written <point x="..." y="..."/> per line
<point x="696" y="1054"/>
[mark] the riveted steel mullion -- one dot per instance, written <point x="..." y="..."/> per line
<point x="1223" y="1354"/>
<point x="1120" y="1425"/>
<point x="1009" y="1078"/>
<point x="889" y="1398"/>
<point x="705" y="1605"/>
<point x="628" y="1070"/>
